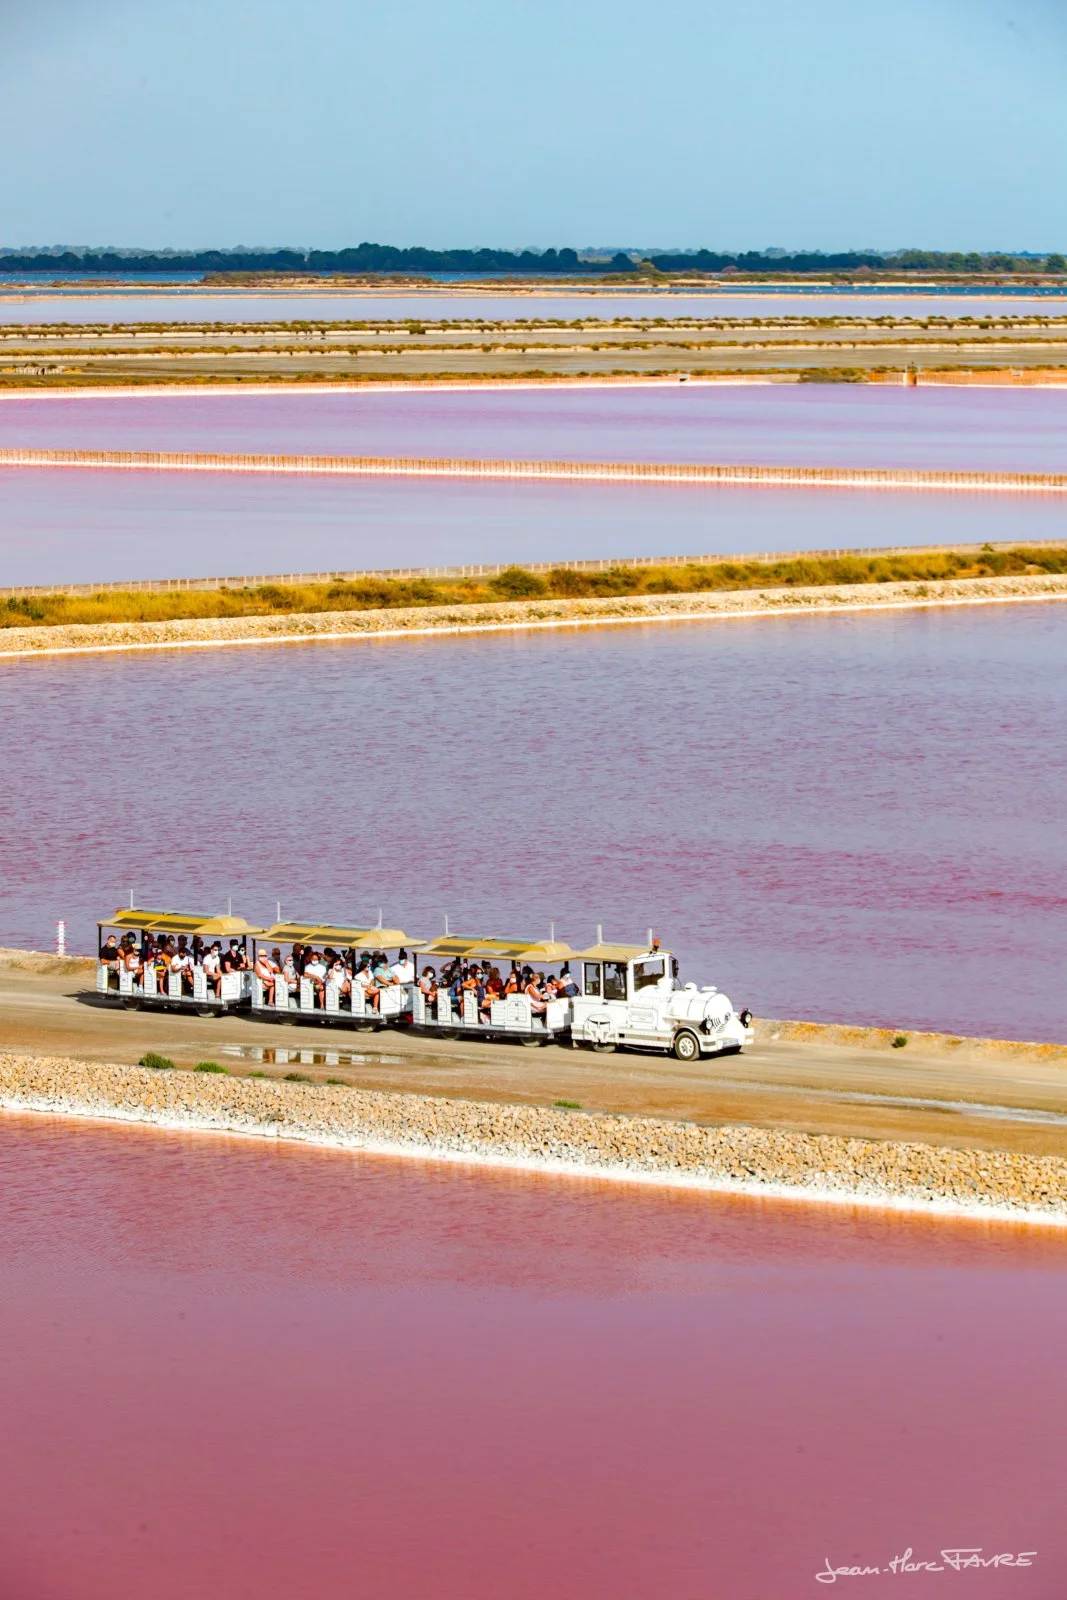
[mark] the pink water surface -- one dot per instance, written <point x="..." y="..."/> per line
<point x="89" y="527"/>
<point x="250" y="1373"/>
<point x="102" y="526"/>
<point x="813" y="424"/>
<point x="833" y="817"/>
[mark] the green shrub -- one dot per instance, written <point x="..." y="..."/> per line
<point x="899" y="1041"/>
<point x="209" y="1066"/>
<point x="567" y="1105"/>
<point x="832" y="375"/>
<point x="515" y="583"/>
<point x="157" y="1062"/>
<point x="297" y="1077"/>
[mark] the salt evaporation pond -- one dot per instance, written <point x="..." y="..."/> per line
<point x="828" y="425"/>
<point x="191" y="305"/>
<point x="95" y="526"/>
<point x="854" y="818"/>
<point x="233" y="1370"/>
<point x="104" y="526"/>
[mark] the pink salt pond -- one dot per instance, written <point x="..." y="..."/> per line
<point x="231" y="1370"/>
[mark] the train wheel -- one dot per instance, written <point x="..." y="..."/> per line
<point x="686" y="1045"/>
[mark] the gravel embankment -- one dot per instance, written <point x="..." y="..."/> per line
<point x="417" y="621"/>
<point x="732" y="1159"/>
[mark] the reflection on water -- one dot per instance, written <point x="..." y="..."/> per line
<point x="279" y="1056"/>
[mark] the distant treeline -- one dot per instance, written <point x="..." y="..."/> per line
<point x="362" y="258"/>
<point x="856" y="260"/>
<point x="366" y="258"/>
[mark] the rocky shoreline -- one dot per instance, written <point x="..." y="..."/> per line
<point x="508" y="616"/>
<point x="913" y="1177"/>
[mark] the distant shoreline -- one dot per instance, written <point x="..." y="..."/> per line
<point x="795" y="288"/>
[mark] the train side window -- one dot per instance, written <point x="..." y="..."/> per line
<point x="591" y="979"/>
<point x="648" y="973"/>
<point x="614" y="980"/>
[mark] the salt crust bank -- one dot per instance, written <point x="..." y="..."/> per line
<point x="768" y="1163"/>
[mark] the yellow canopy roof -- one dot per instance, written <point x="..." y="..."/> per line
<point x="178" y="922"/>
<point x="328" y="933"/>
<point x="616" y="952"/>
<point x="469" y="944"/>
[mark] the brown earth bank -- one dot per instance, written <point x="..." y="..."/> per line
<point x="506" y="616"/>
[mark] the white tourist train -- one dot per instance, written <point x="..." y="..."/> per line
<point x="606" y="997"/>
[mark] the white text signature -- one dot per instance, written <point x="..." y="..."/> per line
<point x="956" y="1560"/>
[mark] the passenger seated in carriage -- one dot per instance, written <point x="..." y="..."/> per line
<point x="340" y="976"/>
<point x="181" y="965"/>
<point x="264" y="969"/>
<point x="403" y="968"/>
<point x="492" y="989"/>
<point x="212" y="964"/>
<point x="235" y="959"/>
<point x="129" y="959"/>
<point x="315" y="970"/>
<point x="536" y="994"/>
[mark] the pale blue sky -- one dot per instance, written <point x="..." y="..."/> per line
<point x="729" y="123"/>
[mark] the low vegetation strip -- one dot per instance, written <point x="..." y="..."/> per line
<point x="507" y="616"/>
<point x="755" y="1161"/>
<point x="519" y="584"/>
<point x="626" y="471"/>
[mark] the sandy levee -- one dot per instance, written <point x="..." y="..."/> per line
<point x="540" y="614"/>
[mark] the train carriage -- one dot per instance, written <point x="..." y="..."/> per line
<point x="328" y="1001"/>
<point x="152" y="984"/>
<point x="510" y="1017"/>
